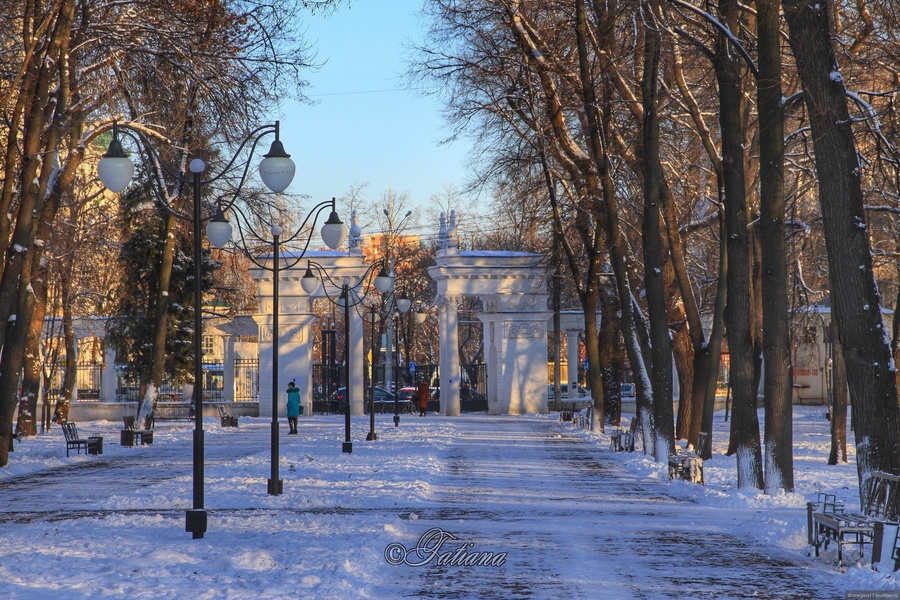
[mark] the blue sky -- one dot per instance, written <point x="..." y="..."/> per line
<point x="364" y="128"/>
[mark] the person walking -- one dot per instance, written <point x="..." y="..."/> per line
<point x="293" y="406"/>
<point x="423" y="398"/>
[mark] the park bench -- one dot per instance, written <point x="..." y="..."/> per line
<point x="622" y="440"/>
<point x="91" y="445"/>
<point x="688" y="465"/>
<point x="131" y="435"/>
<point x="827" y="521"/>
<point x="173" y="411"/>
<point x="895" y="550"/>
<point x="228" y="420"/>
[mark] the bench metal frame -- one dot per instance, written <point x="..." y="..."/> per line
<point x="228" y="420"/>
<point x="131" y="435"/>
<point x="828" y="522"/>
<point x="91" y="445"/>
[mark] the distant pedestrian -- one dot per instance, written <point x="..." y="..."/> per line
<point x="293" y="406"/>
<point x="423" y="398"/>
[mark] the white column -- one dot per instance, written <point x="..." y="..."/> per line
<point x="572" y="355"/>
<point x="108" y="382"/>
<point x="449" y="326"/>
<point x="496" y="404"/>
<point x="357" y="364"/>
<point x="228" y="368"/>
<point x="525" y="339"/>
<point x="264" y="322"/>
<point x="294" y="359"/>
<point x="517" y="361"/>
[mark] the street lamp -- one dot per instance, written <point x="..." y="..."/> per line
<point x="333" y="234"/>
<point x="276" y="170"/>
<point x="403" y="304"/>
<point x="372" y="435"/>
<point x="348" y="297"/>
<point x="390" y="241"/>
<point x="328" y="358"/>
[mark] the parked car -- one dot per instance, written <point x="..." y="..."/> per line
<point x="408" y="398"/>
<point x="627" y="390"/>
<point x="384" y="400"/>
<point x="564" y="391"/>
<point x="580" y="401"/>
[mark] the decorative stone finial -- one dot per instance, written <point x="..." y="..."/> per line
<point x="442" y="232"/>
<point x="354" y="240"/>
<point x="452" y="240"/>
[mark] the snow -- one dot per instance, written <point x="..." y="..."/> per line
<point x="473" y="506"/>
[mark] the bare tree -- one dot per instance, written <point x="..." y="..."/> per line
<point x="854" y="294"/>
<point x="779" y="471"/>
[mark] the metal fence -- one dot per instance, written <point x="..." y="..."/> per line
<point x="88" y="381"/>
<point x="172" y="388"/>
<point x="128" y="390"/>
<point x="326" y="380"/>
<point x="89" y="378"/>
<point x="246" y="380"/>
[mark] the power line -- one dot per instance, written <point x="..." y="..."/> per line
<point x="356" y="93"/>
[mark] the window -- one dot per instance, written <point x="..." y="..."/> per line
<point x="208" y="345"/>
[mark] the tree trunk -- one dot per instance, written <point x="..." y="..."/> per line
<point x="838" y="401"/>
<point x="151" y="387"/>
<point x="710" y="357"/>
<point x="70" y="375"/>
<point x="737" y="313"/>
<point x="895" y="323"/>
<point x="855" y="301"/>
<point x="592" y="349"/>
<point x="660" y="336"/>
<point x="598" y="124"/>
<point x="776" y="334"/>
<point x="688" y="338"/>
<point x="46" y="87"/>
<point x="611" y="354"/>
<point x="33" y="368"/>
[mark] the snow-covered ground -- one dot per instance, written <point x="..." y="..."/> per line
<point x="547" y="509"/>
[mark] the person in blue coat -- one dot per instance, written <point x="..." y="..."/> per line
<point x="293" y="406"/>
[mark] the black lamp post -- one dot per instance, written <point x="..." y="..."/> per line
<point x="347" y="446"/>
<point x="310" y="283"/>
<point x="403" y="305"/>
<point x="372" y="435"/>
<point x="328" y="358"/>
<point x="115" y="170"/>
<point x="333" y="234"/>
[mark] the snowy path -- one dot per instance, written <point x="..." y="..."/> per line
<point x="561" y="511"/>
<point x="84" y="486"/>
<point x="607" y="531"/>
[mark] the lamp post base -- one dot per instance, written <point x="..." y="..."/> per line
<point x="371" y="437"/>
<point x="275" y="486"/>
<point x="347" y="447"/>
<point x="396" y="420"/>
<point x="195" y="522"/>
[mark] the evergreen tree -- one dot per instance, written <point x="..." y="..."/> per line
<point x="131" y="331"/>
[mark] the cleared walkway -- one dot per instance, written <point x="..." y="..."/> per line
<point x="608" y="535"/>
<point x="555" y="515"/>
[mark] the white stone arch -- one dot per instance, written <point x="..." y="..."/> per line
<point x="296" y="319"/>
<point x="512" y="287"/>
